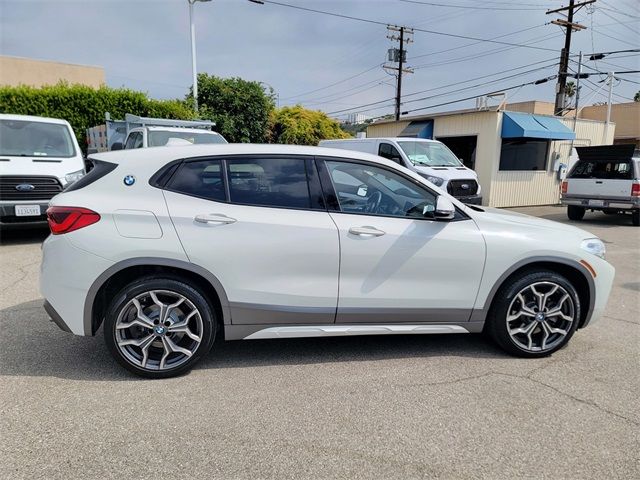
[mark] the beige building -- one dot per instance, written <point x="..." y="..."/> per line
<point x="16" y="71"/>
<point x="520" y="156"/>
<point x="626" y="116"/>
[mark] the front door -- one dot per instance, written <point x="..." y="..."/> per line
<point x="259" y="225"/>
<point x="396" y="264"/>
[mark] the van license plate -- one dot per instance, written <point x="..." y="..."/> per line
<point x="596" y="203"/>
<point x="27" y="210"/>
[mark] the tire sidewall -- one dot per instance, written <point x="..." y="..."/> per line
<point x="209" y="324"/>
<point x="497" y="324"/>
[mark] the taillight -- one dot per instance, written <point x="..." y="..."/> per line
<point x="635" y="189"/>
<point x="565" y="186"/>
<point x="67" y="219"/>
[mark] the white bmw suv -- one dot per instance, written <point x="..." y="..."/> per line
<point x="170" y="248"/>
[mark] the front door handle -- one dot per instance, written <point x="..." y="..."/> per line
<point x="214" y="219"/>
<point x="366" y="231"/>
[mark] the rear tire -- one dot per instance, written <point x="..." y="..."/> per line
<point x="534" y="314"/>
<point x="575" y="213"/>
<point x="635" y="218"/>
<point x="159" y="327"/>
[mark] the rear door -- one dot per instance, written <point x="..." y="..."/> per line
<point x="258" y="223"/>
<point x="602" y="172"/>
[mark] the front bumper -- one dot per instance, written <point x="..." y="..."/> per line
<point x="472" y="199"/>
<point x="593" y="203"/>
<point x="8" y="216"/>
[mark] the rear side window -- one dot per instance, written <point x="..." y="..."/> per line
<point x="604" y="169"/>
<point x="202" y="178"/>
<point x="269" y="182"/>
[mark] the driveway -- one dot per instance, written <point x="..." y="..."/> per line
<point x="370" y="407"/>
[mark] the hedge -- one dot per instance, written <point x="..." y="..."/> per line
<point x="85" y="107"/>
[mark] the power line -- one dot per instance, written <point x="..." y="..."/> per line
<point x="378" y="22"/>
<point x="469" y="7"/>
<point x="336" y="83"/>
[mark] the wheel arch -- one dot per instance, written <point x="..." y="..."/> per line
<point x="575" y="272"/>
<point x="112" y="279"/>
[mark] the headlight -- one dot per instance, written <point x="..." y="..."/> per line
<point x="74" y="176"/>
<point x="437" y="181"/>
<point x="595" y="246"/>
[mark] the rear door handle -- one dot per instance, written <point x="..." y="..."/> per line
<point x="366" y="231"/>
<point x="214" y="219"/>
<point x="598" y="181"/>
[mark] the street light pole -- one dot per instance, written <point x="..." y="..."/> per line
<point x="194" y="71"/>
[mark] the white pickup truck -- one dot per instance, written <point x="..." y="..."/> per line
<point x="142" y="132"/>
<point x="605" y="178"/>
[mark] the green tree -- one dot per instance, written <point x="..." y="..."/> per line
<point x="636" y="97"/>
<point x="299" y="126"/>
<point x="239" y="108"/>
<point x="84" y="107"/>
<point x="570" y="89"/>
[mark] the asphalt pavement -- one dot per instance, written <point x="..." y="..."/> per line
<point x="361" y="407"/>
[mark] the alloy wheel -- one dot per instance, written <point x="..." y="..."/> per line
<point x="158" y="330"/>
<point x="540" y="316"/>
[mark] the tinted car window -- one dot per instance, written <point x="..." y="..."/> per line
<point x="376" y="191"/>
<point x="613" y="170"/>
<point x="202" y="178"/>
<point x="271" y="182"/>
<point x="130" y="140"/>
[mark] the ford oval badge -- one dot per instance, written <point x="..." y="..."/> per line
<point x="129" y="180"/>
<point x="25" y="187"/>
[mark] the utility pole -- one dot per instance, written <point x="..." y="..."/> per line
<point x="569" y="26"/>
<point x="610" y="78"/>
<point x="399" y="56"/>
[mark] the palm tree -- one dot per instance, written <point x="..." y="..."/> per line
<point x="636" y="97"/>
<point x="570" y="89"/>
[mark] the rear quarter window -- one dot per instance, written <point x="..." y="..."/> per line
<point x="202" y="178"/>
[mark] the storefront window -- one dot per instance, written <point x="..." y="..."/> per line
<point x="524" y="154"/>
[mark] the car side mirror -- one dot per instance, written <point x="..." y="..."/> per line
<point x="117" y="146"/>
<point x="445" y="210"/>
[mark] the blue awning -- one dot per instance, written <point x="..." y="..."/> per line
<point x="418" y="129"/>
<point x="519" y="125"/>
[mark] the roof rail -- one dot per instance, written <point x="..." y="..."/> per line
<point x="167" y="122"/>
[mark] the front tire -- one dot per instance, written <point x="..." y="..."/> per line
<point x="159" y="327"/>
<point x="534" y="314"/>
<point x="575" y="213"/>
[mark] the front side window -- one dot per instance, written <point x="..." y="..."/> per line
<point x="25" y="138"/>
<point x="159" y="138"/>
<point x="429" y="154"/>
<point x="367" y="189"/>
<point x="269" y="182"/>
<point x="386" y="150"/>
<point x="202" y="178"/>
<point x="524" y="154"/>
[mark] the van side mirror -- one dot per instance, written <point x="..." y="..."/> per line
<point x="117" y="146"/>
<point x="445" y="210"/>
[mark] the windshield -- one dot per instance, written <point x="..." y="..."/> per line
<point x="429" y="154"/>
<point x="26" y="138"/>
<point x="159" y="138"/>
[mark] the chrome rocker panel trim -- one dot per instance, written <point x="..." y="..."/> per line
<point x="345" y="330"/>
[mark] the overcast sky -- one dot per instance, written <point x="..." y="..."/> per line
<point x="144" y="45"/>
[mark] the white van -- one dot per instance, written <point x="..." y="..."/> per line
<point x="429" y="158"/>
<point x="38" y="158"/>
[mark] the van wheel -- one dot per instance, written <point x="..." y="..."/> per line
<point x="635" y="218"/>
<point x="575" y="213"/>
<point x="534" y="314"/>
<point x="159" y="327"/>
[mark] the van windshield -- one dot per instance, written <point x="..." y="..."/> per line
<point x="26" y="138"/>
<point x="430" y="154"/>
<point x="159" y="138"/>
